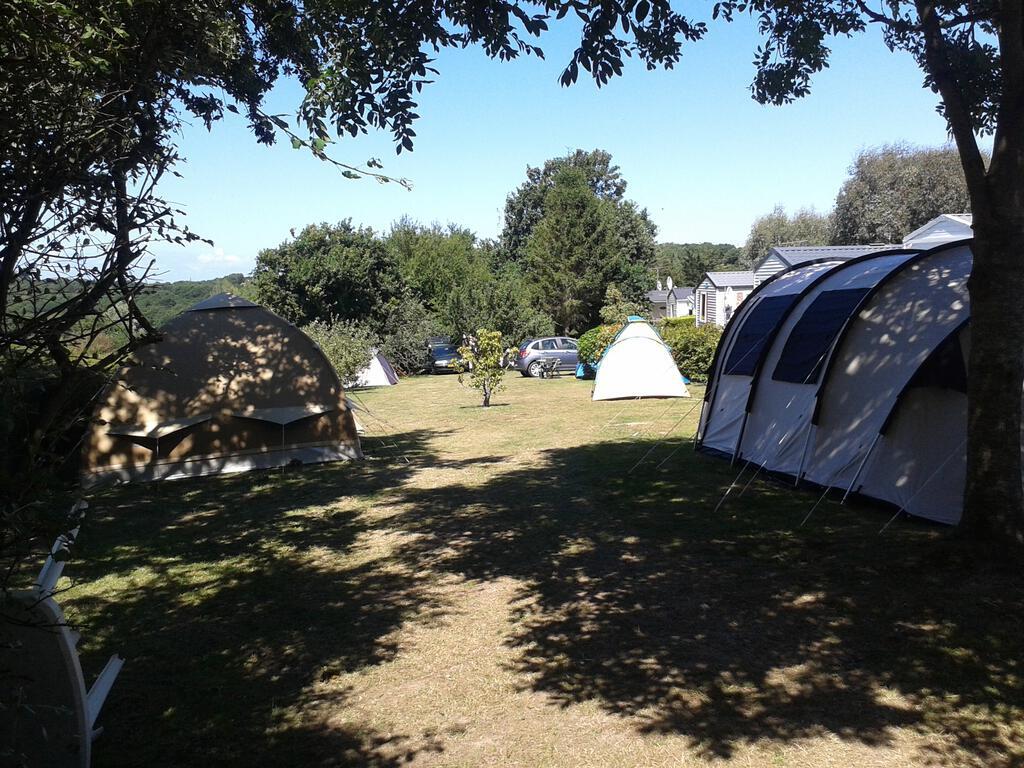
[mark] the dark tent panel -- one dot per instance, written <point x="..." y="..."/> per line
<point x="761" y="322"/>
<point x="814" y="334"/>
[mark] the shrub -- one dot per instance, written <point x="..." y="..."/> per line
<point x="686" y="321"/>
<point x="405" y="334"/>
<point x="346" y="344"/>
<point x="486" y="359"/>
<point x="594" y="342"/>
<point x="617" y="307"/>
<point x="693" y="347"/>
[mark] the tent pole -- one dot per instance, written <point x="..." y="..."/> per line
<point x="860" y="468"/>
<point x="828" y="487"/>
<point x="662" y="440"/>
<point x="816" y="505"/>
<point x="803" y="454"/>
<point x="617" y="414"/>
<point x="728" y="490"/>
<point x="700" y="421"/>
<point x="753" y="477"/>
<point x="659" y="417"/>
<point x="739" y="440"/>
<point x="931" y="477"/>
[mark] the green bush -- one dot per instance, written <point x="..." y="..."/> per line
<point x="346" y="344"/>
<point x="485" y="358"/>
<point x="686" y="321"/>
<point x="404" y="335"/>
<point x="693" y="347"/>
<point x="593" y="343"/>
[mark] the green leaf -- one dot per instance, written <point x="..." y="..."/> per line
<point x="296" y="143"/>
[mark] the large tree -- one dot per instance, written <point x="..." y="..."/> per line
<point x="328" y="273"/>
<point x="524" y="208"/>
<point x="502" y="302"/>
<point x="893" y="190"/>
<point x="433" y="260"/>
<point x="805" y="227"/>
<point x="571" y="254"/>
<point x="633" y="235"/>
<point x="686" y="263"/>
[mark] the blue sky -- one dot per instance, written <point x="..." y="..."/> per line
<point x="696" y="150"/>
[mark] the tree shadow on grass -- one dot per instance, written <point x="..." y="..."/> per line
<point x="736" y="627"/>
<point x="232" y="601"/>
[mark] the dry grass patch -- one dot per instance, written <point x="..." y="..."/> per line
<point x="495" y="588"/>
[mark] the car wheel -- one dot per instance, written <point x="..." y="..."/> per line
<point x="535" y="369"/>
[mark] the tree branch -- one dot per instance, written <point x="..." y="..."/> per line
<point x="958" y="115"/>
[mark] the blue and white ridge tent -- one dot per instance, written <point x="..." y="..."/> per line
<point x="638" y="364"/>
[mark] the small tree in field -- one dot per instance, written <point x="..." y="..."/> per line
<point x="485" y="358"/>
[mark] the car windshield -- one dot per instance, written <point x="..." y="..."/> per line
<point x="446" y="349"/>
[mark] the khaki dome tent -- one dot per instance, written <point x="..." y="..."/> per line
<point x="230" y="387"/>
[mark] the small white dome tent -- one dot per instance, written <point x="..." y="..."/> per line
<point x="861" y="385"/>
<point x="378" y="372"/>
<point x="638" y="364"/>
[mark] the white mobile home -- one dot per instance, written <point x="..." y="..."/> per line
<point x="719" y="293"/>
<point x="941" y="229"/>
<point x="783" y="258"/>
<point x="680" y="302"/>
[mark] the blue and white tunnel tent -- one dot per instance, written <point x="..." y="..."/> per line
<point x="919" y="461"/>
<point x="835" y="372"/>
<point x="885" y="345"/>
<point x="782" y="399"/>
<point x="747" y="337"/>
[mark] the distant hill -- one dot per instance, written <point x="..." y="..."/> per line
<point x="162" y="301"/>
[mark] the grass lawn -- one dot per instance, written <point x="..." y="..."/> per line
<point x="492" y="587"/>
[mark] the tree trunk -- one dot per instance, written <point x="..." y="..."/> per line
<point x="487" y="396"/>
<point x="993" y="499"/>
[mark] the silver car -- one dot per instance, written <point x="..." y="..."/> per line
<point x="560" y="349"/>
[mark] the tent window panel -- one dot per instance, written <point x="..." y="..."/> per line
<point x="945" y="367"/>
<point x="812" y="337"/>
<point x="751" y="338"/>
